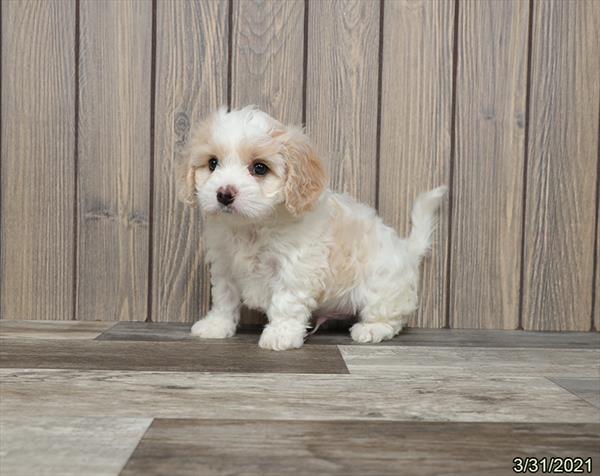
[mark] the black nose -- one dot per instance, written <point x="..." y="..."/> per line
<point x="225" y="197"/>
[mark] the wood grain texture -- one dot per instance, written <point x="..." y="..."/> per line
<point x="561" y="173"/>
<point x="191" y="356"/>
<point x="217" y="447"/>
<point x="267" y="66"/>
<point x="596" y="291"/>
<point x="171" y="331"/>
<point x="460" y="362"/>
<point x="416" y="104"/>
<point x="487" y="190"/>
<point x="243" y="396"/>
<point x="267" y="57"/>
<point x="36" y="218"/>
<point x="69" y="446"/>
<point x="114" y="159"/>
<point x="52" y="329"/>
<point x="341" y="92"/>
<point x="191" y="82"/>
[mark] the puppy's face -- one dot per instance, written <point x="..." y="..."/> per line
<point x="244" y="163"/>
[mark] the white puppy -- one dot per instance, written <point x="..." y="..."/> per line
<point x="279" y="242"/>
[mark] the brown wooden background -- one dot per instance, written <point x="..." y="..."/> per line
<point x="500" y="99"/>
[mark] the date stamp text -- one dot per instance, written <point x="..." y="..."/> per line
<point x="552" y="465"/>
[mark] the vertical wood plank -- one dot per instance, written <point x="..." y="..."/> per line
<point x="416" y="105"/>
<point x="38" y="93"/>
<point x="596" y="291"/>
<point x="191" y="82"/>
<point x="341" y="92"/>
<point x="114" y="159"/>
<point x="267" y="57"/>
<point x="268" y="65"/>
<point x="487" y="190"/>
<point x="561" y="174"/>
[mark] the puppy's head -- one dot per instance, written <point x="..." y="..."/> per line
<point x="245" y="163"/>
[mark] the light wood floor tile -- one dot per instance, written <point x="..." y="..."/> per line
<point x="396" y="361"/>
<point x="194" y="356"/>
<point x="586" y="388"/>
<point x="49" y="445"/>
<point x="415" y="397"/>
<point x="52" y="329"/>
<point x="279" y="448"/>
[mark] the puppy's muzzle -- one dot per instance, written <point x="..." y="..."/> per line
<point x="226" y="195"/>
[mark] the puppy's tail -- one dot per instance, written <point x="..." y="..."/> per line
<point x="424" y="219"/>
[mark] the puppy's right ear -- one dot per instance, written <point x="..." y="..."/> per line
<point x="186" y="179"/>
<point x="190" y="159"/>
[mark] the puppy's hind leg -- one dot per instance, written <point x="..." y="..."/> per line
<point x="383" y="316"/>
<point x="375" y="330"/>
<point x="388" y="301"/>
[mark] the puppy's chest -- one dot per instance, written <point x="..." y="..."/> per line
<point x="255" y="266"/>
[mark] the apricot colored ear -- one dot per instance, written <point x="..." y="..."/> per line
<point x="186" y="169"/>
<point x="306" y="178"/>
<point x="186" y="182"/>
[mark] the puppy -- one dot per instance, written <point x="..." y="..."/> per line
<point x="278" y="241"/>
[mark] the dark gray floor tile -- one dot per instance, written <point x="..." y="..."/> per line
<point x="586" y="388"/>
<point x="279" y="448"/>
<point x="189" y="356"/>
<point x="162" y="331"/>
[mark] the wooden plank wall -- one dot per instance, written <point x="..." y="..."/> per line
<point x="190" y="72"/>
<point x="115" y="58"/>
<point x="562" y="154"/>
<point x="37" y="259"/>
<point x="416" y="130"/>
<point x="491" y="85"/>
<point x="499" y="99"/>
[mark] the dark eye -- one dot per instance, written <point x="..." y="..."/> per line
<point x="212" y="163"/>
<point x="258" y="168"/>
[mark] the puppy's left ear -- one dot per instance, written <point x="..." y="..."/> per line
<point x="306" y="178"/>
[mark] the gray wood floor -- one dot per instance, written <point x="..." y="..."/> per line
<point x="146" y="399"/>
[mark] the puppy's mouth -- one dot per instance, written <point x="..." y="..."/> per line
<point x="228" y="209"/>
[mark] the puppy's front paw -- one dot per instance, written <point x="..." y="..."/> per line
<point x="214" y="326"/>
<point x="372" y="332"/>
<point x="282" y="336"/>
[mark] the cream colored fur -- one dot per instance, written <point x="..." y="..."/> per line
<point x="287" y="245"/>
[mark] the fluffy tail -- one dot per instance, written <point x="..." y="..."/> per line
<point x="424" y="219"/>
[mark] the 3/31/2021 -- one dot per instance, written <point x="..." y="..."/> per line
<point x="554" y="465"/>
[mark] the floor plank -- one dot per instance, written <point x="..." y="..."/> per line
<point x="586" y="388"/>
<point x="192" y="356"/>
<point x="279" y="448"/>
<point x="52" y="329"/>
<point x="415" y="397"/>
<point x="396" y="361"/>
<point x="91" y="446"/>
<point x="150" y="331"/>
<point x="162" y="331"/>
